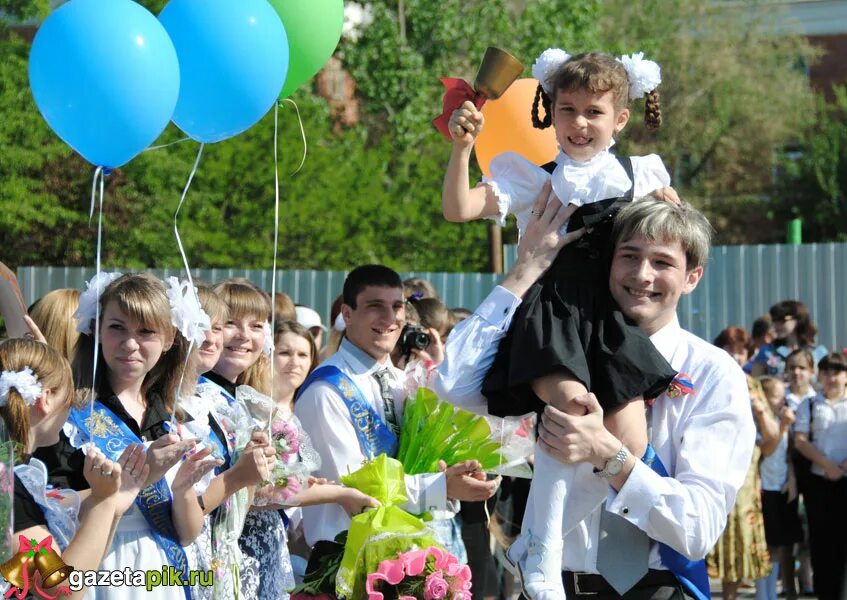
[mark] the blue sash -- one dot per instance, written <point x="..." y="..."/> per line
<point x="691" y="574"/>
<point x="374" y="435"/>
<point x="111" y="435"/>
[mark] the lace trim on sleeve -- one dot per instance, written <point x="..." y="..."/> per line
<point x="60" y="506"/>
<point x="503" y="200"/>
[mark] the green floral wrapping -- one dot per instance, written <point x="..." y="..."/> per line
<point x="382" y="533"/>
<point x="434" y="430"/>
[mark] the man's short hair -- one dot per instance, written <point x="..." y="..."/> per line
<point x="366" y="276"/>
<point x="662" y="221"/>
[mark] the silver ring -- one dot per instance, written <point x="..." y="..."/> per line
<point x="104" y="473"/>
<point x="535" y="213"/>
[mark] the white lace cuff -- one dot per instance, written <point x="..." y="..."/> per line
<point x="503" y="200"/>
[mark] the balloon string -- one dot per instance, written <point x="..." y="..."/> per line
<point x="99" y="173"/>
<point x="190" y="290"/>
<point x="302" y="135"/>
<point x="176" y="216"/>
<point x="273" y="410"/>
<point x="179" y="141"/>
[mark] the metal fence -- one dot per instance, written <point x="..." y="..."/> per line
<point x="740" y="283"/>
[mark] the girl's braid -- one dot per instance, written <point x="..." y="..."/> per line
<point x="542" y="98"/>
<point x="653" y="110"/>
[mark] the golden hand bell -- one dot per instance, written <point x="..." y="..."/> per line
<point x="497" y="72"/>
<point x="13" y="569"/>
<point x="52" y="568"/>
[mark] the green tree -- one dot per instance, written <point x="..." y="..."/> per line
<point x="813" y="179"/>
<point x="733" y="96"/>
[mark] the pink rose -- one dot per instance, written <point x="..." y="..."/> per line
<point x="435" y="586"/>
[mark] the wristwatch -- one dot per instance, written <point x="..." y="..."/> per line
<point x="615" y="464"/>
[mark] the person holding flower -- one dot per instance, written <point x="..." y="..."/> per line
<point x="360" y="379"/>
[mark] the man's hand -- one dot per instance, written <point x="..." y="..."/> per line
<point x="541" y="241"/>
<point x="467" y="482"/>
<point x="574" y="439"/>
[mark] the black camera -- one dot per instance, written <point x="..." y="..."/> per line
<point x="413" y="337"/>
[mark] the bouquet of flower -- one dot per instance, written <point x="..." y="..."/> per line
<point x="286" y="479"/>
<point x="296" y="458"/>
<point x="428" y="574"/>
<point x="434" y="430"/>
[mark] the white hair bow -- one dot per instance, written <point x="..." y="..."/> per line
<point x="186" y="313"/>
<point x="546" y="64"/>
<point x="644" y="75"/>
<point x="89" y="300"/>
<point x="24" y="381"/>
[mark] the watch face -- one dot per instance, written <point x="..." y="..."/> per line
<point x="614" y="467"/>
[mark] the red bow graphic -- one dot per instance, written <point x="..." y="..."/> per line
<point x="27" y="545"/>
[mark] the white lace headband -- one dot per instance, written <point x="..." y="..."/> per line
<point x="644" y="75"/>
<point x="186" y="313"/>
<point x="89" y="301"/>
<point x="24" y="381"/>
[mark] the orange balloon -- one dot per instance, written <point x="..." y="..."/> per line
<point x="508" y="127"/>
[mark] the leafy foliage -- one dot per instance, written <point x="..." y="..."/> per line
<point x="732" y="99"/>
<point x="813" y="181"/>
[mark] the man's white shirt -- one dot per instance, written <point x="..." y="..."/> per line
<point x="705" y="440"/>
<point x="325" y="417"/>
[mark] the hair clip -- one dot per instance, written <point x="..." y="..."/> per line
<point x="24" y="381"/>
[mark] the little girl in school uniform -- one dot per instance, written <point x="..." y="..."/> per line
<point x="568" y="336"/>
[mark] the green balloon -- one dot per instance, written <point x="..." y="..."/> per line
<point x="313" y="28"/>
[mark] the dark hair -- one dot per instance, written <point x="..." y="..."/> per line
<point x="368" y="276"/>
<point x="834" y="361"/>
<point x="804" y="353"/>
<point x="735" y="338"/>
<point x="761" y="326"/>
<point x="805" y="329"/>
<point x="294" y="327"/>
<point x="598" y="73"/>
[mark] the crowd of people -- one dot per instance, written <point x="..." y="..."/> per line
<point x="157" y="430"/>
<point x="782" y="514"/>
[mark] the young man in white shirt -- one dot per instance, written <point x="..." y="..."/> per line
<point x="374" y="311"/>
<point x="703" y="436"/>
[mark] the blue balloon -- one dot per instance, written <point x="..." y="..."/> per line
<point x="233" y="59"/>
<point x="105" y="76"/>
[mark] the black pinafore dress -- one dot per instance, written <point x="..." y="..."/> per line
<point x="568" y="322"/>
